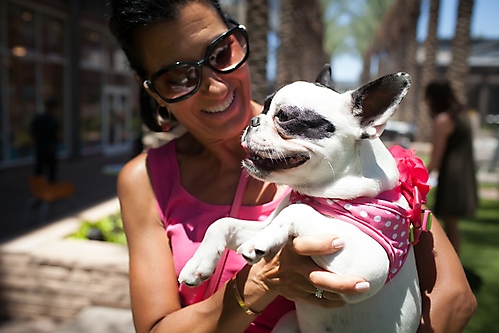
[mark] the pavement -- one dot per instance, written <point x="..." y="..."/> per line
<point x="94" y="178"/>
<point x="93" y="319"/>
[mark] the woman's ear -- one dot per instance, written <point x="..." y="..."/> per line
<point x="139" y="79"/>
<point x="158" y="99"/>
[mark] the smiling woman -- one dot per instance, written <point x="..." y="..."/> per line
<point x="191" y="61"/>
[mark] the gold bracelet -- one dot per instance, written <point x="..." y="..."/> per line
<point x="240" y="301"/>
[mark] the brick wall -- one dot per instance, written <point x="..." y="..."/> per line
<point x="45" y="275"/>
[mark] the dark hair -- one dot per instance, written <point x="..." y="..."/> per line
<point x="441" y="98"/>
<point x="127" y="18"/>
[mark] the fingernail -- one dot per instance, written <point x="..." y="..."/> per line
<point x="338" y="243"/>
<point x="362" y="286"/>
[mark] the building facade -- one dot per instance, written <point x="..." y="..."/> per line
<point x="62" y="51"/>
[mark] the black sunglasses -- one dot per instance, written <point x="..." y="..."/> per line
<point x="182" y="79"/>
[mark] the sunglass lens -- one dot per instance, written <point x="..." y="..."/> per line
<point x="177" y="82"/>
<point x="228" y="52"/>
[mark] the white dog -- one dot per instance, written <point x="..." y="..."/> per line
<point x="326" y="147"/>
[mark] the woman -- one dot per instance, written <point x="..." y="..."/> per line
<point x="170" y="196"/>
<point x="452" y="157"/>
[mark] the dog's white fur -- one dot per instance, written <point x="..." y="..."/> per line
<point x="349" y="162"/>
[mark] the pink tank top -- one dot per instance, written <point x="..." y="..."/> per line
<point x="186" y="220"/>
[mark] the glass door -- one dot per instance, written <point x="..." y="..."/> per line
<point x="117" y="120"/>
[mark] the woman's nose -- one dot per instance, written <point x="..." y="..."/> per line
<point x="213" y="83"/>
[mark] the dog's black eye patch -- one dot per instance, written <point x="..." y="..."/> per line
<point x="295" y="122"/>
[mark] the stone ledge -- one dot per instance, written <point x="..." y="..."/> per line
<point x="100" y="320"/>
<point x="44" y="275"/>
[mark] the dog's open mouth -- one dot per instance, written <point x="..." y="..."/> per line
<point x="281" y="163"/>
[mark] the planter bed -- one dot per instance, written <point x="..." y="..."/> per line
<point x="44" y="275"/>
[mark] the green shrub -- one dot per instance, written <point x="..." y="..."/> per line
<point x="108" y="229"/>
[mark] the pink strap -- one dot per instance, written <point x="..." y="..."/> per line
<point x="215" y="279"/>
<point x="238" y="198"/>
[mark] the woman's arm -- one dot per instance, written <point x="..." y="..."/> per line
<point x="153" y="283"/>
<point x="448" y="302"/>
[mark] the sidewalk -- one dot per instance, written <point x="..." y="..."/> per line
<point x="92" y="185"/>
<point x="93" y="319"/>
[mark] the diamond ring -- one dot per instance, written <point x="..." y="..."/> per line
<point x="318" y="292"/>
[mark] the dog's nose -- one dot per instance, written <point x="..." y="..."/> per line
<point x="255" y="122"/>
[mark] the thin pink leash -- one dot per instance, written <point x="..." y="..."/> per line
<point x="215" y="279"/>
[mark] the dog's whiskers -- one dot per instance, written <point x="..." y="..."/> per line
<point x="332" y="169"/>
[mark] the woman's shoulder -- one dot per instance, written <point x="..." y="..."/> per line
<point x="445" y="123"/>
<point x="140" y="168"/>
<point x="443" y="118"/>
<point x="134" y="171"/>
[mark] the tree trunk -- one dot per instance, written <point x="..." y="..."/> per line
<point x="457" y="72"/>
<point x="409" y="23"/>
<point x="428" y="73"/>
<point x="286" y="66"/>
<point x="258" y="26"/>
<point x="313" y="56"/>
<point x="301" y="54"/>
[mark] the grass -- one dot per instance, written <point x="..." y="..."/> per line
<point x="480" y="257"/>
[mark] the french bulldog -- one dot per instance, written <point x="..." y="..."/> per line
<point x="325" y="146"/>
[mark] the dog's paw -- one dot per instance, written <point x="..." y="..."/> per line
<point x="250" y="253"/>
<point x="196" y="271"/>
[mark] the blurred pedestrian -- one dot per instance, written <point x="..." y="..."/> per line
<point x="452" y="156"/>
<point x="45" y="132"/>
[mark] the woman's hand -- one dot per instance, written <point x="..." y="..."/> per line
<point x="294" y="275"/>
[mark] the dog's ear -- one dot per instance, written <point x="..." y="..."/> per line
<point x="266" y="105"/>
<point x="376" y="101"/>
<point x="324" y="78"/>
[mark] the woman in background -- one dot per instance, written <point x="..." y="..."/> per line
<point x="452" y="156"/>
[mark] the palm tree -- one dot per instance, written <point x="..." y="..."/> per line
<point x="457" y="72"/>
<point x="286" y="54"/>
<point x="408" y="22"/>
<point x="311" y="35"/>
<point x="257" y="24"/>
<point x="300" y="55"/>
<point x="366" y="17"/>
<point x="428" y="72"/>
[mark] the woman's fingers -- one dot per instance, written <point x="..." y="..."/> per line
<point x="338" y="284"/>
<point x="321" y="245"/>
<point x="328" y="300"/>
<point x="293" y="274"/>
<point x="317" y="245"/>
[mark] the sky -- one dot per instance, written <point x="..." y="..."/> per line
<point x="483" y="24"/>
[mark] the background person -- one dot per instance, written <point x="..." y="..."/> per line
<point x="170" y="195"/>
<point x="45" y="133"/>
<point x="452" y="156"/>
